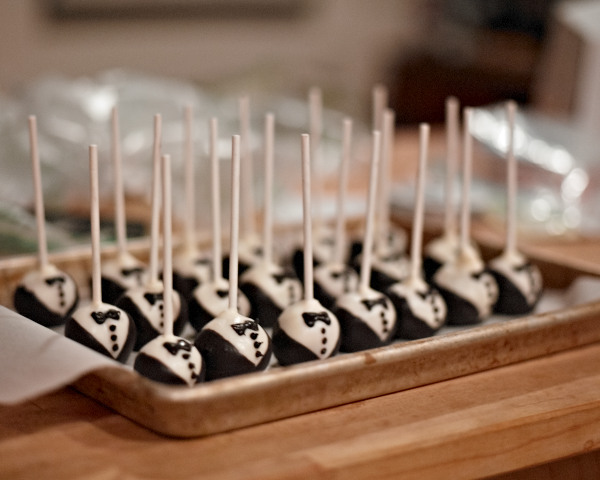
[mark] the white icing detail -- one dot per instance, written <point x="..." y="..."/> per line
<point x="179" y="365"/>
<point x="153" y="313"/>
<point x="283" y="293"/>
<point x="250" y="249"/>
<point x="397" y="269"/>
<point x="193" y="264"/>
<point x="528" y="280"/>
<point x="425" y="303"/>
<point x="336" y="279"/>
<point x="101" y="332"/>
<point x="353" y="303"/>
<point x="206" y="295"/>
<point x="458" y="278"/>
<point x="292" y="323"/>
<point x="112" y="270"/>
<point x="397" y="240"/>
<point x="244" y="344"/>
<point x="443" y="249"/>
<point x="49" y="295"/>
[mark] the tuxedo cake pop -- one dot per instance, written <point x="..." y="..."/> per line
<point x="124" y="271"/>
<point x="231" y="343"/>
<point x="306" y="330"/>
<point x="519" y="281"/>
<point x="443" y="249"/>
<point x="269" y="287"/>
<point x="211" y="298"/>
<point x="367" y="317"/>
<point x="145" y="304"/>
<point x="168" y="358"/>
<point x="100" y="326"/>
<point x="335" y="277"/>
<point x="191" y="267"/>
<point x="45" y="295"/>
<point x="469" y="290"/>
<point x="420" y="308"/>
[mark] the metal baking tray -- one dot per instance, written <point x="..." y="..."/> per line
<point x="282" y="392"/>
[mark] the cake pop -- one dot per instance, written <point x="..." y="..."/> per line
<point x="306" y="330"/>
<point x="168" y="358"/>
<point x="250" y="248"/>
<point x="45" y="295"/>
<point x="420" y="308"/>
<point x="190" y="266"/>
<point x="231" y="343"/>
<point x="209" y="299"/>
<point x="145" y="304"/>
<point x="469" y="290"/>
<point x="269" y="287"/>
<point x="519" y="281"/>
<point x="443" y="249"/>
<point x="335" y="277"/>
<point x="100" y="326"/>
<point x="367" y="317"/>
<point x="124" y="271"/>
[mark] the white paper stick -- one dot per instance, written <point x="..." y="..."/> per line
<point x="315" y="105"/>
<point x="307" y="220"/>
<point x="95" y="227"/>
<point x="216" y="199"/>
<point x="268" y="209"/>
<point x="452" y="147"/>
<point x="367" y="253"/>
<point x="419" y="213"/>
<point x="155" y="215"/>
<point x="465" y="214"/>
<point x="190" y="203"/>
<point x="119" y="195"/>
<point x="385" y="179"/>
<point x="380" y="103"/>
<point x="167" y="246"/>
<point x="340" y="225"/>
<point x="247" y="187"/>
<point x="235" y="220"/>
<point x="40" y="215"/>
<point x="511" y="190"/>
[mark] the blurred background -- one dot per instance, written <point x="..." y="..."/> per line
<point x="69" y="61"/>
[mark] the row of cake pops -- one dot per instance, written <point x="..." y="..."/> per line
<point x="266" y="272"/>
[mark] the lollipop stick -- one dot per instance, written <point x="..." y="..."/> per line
<point x="247" y="164"/>
<point x="367" y="254"/>
<point x="387" y="153"/>
<point x="120" y="226"/>
<point x="306" y="219"/>
<point x="268" y="211"/>
<point x="315" y="105"/>
<point x="340" y="225"/>
<point x="167" y="246"/>
<point x="216" y="199"/>
<point x="155" y="219"/>
<point x="235" y="220"/>
<point x="380" y="101"/>
<point x="39" y="195"/>
<point x="95" y="227"/>
<point x="511" y="212"/>
<point x="452" y="139"/>
<point x="465" y="218"/>
<point x="417" y="229"/>
<point x="190" y="233"/>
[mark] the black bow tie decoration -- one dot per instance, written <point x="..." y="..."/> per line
<point x="523" y="267"/>
<point x="310" y="318"/>
<point x="202" y="261"/>
<point x="280" y="277"/>
<point x="478" y="275"/>
<point x="240" y="328"/>
<point x="258" y="251"/>
<point x="152" y="298"/>
<point x="369" y="304"/>
<point x="52" y="280"/>
<point x="101" y="317"/>
<point x="222" y="293"/>
<point x="128" y="272"/>
<point x="394" y="257"/>
<point x="175" y="347"/>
